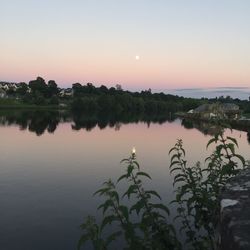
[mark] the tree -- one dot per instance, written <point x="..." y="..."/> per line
<point x="22" y="89"/>
<point x="104" y="89"/>
<point x="90" y="88"/>
<point x="52" y="88"/>
<point x="77" y="89"/>
<point x="39" y="85"/>
<point x="39" y="99"/>
<point x="10" y="91"/>
<point x="118" y="87"/>
<point x="54" y="100"/>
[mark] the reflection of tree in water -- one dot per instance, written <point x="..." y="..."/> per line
<point x="84" y="122"/>
<point x="103" y="120"/>
<point x="188" y="124"/>
<point x="118" y="126"/>
<point x="41" y="121"/>
<point x="35" y="121"/>
<point x="248" y="137"/>
<point x="205" y="127"/>
<point x="210" y="128"/>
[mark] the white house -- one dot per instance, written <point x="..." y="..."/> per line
<point x="2" y="93"/>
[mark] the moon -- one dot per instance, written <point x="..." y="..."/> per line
<point x="137" y="58"/>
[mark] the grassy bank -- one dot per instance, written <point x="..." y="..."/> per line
<point x="18" y="104"/>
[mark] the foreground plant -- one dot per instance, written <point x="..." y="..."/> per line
<point x="150" y="229"/>
<point x="197" y="189"/>
<point x="145" y="224"/>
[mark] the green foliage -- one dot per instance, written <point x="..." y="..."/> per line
<point x="197" y="188"/>
<point x="120" y="101"/>
<point x="38" y="86"/>
<point x="40" y="92"/>
<point x="150" y="230"/>
<point x="115" y="99"/>
<point x="23" y="88"/>
<point x="52" y="89"/>
<point x="54" y="100"/>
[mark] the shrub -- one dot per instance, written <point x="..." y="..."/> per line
<point x="196" y="187"/>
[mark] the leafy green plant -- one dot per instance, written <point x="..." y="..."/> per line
<point x="144" y="224"/>
<point x="197" y="189"/>
<point x="150" y="230"/>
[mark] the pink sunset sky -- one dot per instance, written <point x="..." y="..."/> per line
<point x="180" y="44"/>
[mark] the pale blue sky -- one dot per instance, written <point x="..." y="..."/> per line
<point x="181" y="43"/>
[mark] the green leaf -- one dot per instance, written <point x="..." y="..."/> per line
<point x="144" y="174"/>
<point x="130" y="170"/>
<point x="208" y="158"/>
<point x="173" y="201"/>
<point x="174" y="156"/>
<point x="178" y="176"/>
<point x="179" y="179"/>
<point x="122" y="177"/>
<point x="215" y="139"/>
<point x="137" y="164"/>
<point x="231" y="147"/>
<point x="174" y="163"/>
<point x="115" y="195"/>
<point x="227" y="169"/>
<point x="108" y="220"/>
<point x="84" y="238"/>
<point x="160" y="206"/>
<point x="174" y="169"/>
<point x="218" y="149"/>
<point x="124" y="211"/>
<point x="172" y="149"/>
<point x="112" y="237"/>
<point x="138" y="206"/>
<point x="132" y="189"/>
<point x="152" y="192"/>
<point x="183" y="151"/>
<point x="101" y="191"/>
<point x="124" y="160"/>
<point x="106" y="205"/>
<point x="233" y="140"/>
<point x="180" y="210"/>
<point x="241" y="158"/>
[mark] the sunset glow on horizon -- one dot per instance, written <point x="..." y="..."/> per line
<point x="139" y="44"/>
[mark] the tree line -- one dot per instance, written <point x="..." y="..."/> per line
<point x="88" y="98"/>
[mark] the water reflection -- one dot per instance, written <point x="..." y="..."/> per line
<point x="41" y="121"/>
<point x="88" y="122"/>
<point x="47" y="181"/>
<point x="212" y="129"/>
<point x="204" y="127"/>
<point x="33" y="121"/>
<point x="248" y="137"/>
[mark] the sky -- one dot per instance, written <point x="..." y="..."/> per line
<point x="140" y="44"/>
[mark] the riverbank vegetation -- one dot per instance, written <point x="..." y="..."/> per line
<point x="89" y="98"/>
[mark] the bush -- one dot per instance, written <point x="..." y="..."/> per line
<point x="197" y="189"/>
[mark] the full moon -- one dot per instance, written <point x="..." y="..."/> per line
<point x="137" y="58"/>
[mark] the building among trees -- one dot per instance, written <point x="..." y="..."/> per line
<point x="217" y="110"/>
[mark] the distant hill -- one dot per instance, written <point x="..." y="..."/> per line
<point x="242" y="93"/>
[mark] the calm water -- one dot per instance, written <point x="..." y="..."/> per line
<point x="49" y="169"/>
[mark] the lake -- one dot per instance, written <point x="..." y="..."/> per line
<point x="51" y="164"/>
